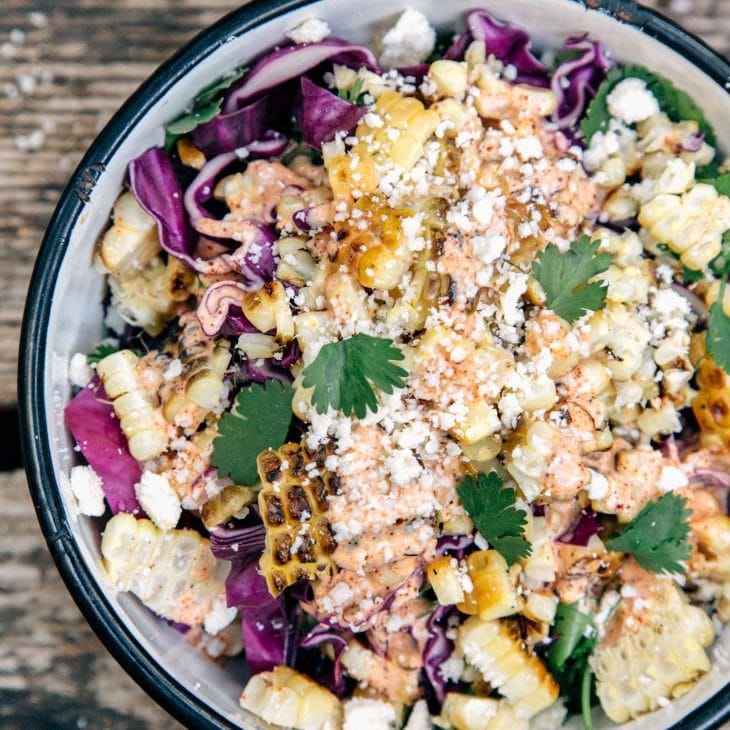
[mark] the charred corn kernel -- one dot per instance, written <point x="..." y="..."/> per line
<point x="229" y="503"/>
<point x="493" y="589"/>
<point x="382" y="268"/>
<point x="691" y="224"/>
<point x="296" y="264"/>
<point x="131" y="242"/>
<point x="189" y="154"/>
<point x="451" y="111"/>
<point x="449" y="77"/>
<point x="628" y="284"/>
<point x="541" y="607"/>
<point x="626" y="247"/>
<point x="496" y="650"/>
<point x="289" y="699"/>
<point x="479" y="422"/>
<point x="611" y="173"/>
<point x="173" y="572"/>
<point x="711" y="405"/>
<point x="459" y="524"/>
<point x="659" y="421"/>
<point x="140" y="421"/>
<point x="482" y="451"/>
<point x="387" y="680"/>
<point x="620" y="205"/>
<point x="528" y="460"/>
<point x="445" y="579"/>
<point x="268" y="309"/>
<point x="467" y="712"/>
<point x="641" y="665"/>
<point x="143" y="297"/>
<point x="352" y="175"/>
<point x="713" y="545"/>
<point x="293" y="505"/>
<point x="311" y="328"/>
<point x="537" y="393"/>
<point x="256" y="345"/>
<point x="539" y="568"/>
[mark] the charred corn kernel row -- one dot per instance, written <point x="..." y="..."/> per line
<point x="653" y="659"/>
<point x="131" y="242"/>
<point x="140" y="420"/>
<point x="174" y="573"/>
<point x="495" y="649"/>
<point x="293" y="504"/>
<point x="467" y="712"/>
<point x="691" y="223"/>
<point x="292" y="700"/>
<point x="493" y="593"/>
<point x="191" y="397"/>
<point x="147" y="297"/>
<point x="711" y="405"/>
<point x="268" y="309"/>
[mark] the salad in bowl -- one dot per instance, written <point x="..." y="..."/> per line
<point x="415" y="390"/>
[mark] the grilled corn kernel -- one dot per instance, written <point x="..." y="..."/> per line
<point x="290" y="699"/>
<point x="711" y="405"/>
<point x="140" y="421"/>
<point x="496" y="650"/>
<point x="296" y="264"/>
<point x="493" y="593"/>
<point x="541" y="607"/>
<point x="382" y="268"/>
<point x="293" y="505"/>
<point x="644" y="662"/>
<point x="131" y="242"/>
<point x="445" y="579"/>
<point x="229" y="503"/>
<point x="467" y="712"/>
<point x="449" y="77"/>
<point x="189" y="154"/>
<point x="268" y="309"/>
<point x="173" y="572"/>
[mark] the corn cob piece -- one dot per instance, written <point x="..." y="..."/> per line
<point x="496" y="650"/>
<point x="711" y="405"/>
<point x="642" y="663"/>
<point x="189" y="399"/>
<point x="293" y="504"/>
<point x="140" y="421"/>
<point x="290" y="699"/>
<point x="467" y="712"/>
<point x="172" y="572"/>
<point x="131" y="242"/>
<point x="493" y="593"/>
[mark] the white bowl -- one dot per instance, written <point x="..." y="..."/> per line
<point x="63" y="312"/>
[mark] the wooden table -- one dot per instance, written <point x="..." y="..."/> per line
<point x="65" y="66"/>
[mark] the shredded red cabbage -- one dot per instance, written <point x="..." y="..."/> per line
<point x="576" y="80"/>
<point x="508" y="42"/>
<point x="91" y="420"/>
<point x="154" y="184"/>
<point x="238" y="543"/>
<point x="437" y="650"/>
<point x="583" y="529"/>
<point x="455" y="545"/>
<point x="323" y="634"/>
<point x="291" y="62"/>
<point x="321" y="114"/>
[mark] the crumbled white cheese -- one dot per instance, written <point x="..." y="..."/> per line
<point x="631" y="101"/>
<point x="598" y="486"/>
<point x="86" y="487"/>
<point x="173" y="370"/>
<point x="529" y="148"/>
<point x="311" y="30"/>
<point x="672" y="478"/>
<point x="219" y="616"/>
<point x="490" y="247"/>
<point x="419" y="719"/>
<point x="409" y="42"/>
<point x="158" y="499"/>
<point x="452" y="668"/>
<point x="79" y="372"/>
<point x="361" y="712"/>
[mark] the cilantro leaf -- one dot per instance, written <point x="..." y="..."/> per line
<point x="353" y="94"/>
<point x="718" y="330"/>
<point x="259" y="420"/>
<point x="563" y="276"/>
<point x="491" y="507"/>
<point x="568" y="658"/>
<point x="206" y="105"/>
<point x="343" y="374"/>
<point x="721" y="183"/>
<point x="674" y="102"/>
<point x="657" y="536"/>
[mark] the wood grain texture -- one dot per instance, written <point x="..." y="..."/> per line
<point x="65" y="67"/>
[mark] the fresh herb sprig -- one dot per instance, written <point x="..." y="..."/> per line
<point x="259" y="420"/>
<point x="354" y="94"/>
<point x="343" y="374"/>
<point x="492" y="509"/>
<point x="718" y="329"/>
<point x="564" y="277"/>
<point x="657" y="536"/>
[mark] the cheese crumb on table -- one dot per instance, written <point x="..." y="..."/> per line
<point x="158" y="500"/>
<point x="86" y="487"/>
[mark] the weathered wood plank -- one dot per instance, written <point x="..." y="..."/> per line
<point x="54" y="673"/>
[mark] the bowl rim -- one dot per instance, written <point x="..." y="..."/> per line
<point x="76" y="573"/>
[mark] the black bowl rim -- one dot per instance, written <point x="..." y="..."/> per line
<point x="77" y="575"/>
